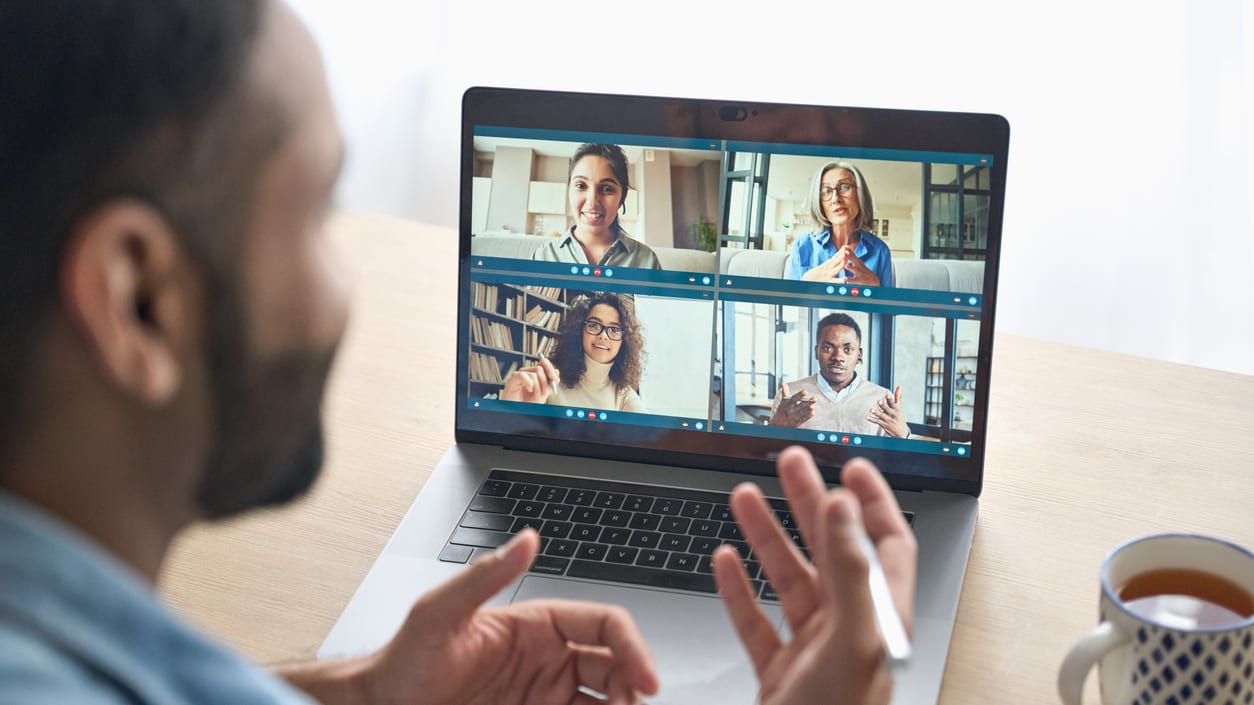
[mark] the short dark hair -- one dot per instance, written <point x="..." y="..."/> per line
<point x="111" y="99"/>
<point x="837" y="319"/>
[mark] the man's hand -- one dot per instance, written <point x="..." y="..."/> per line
<point x="835" y="655"/>
<point x="889" y="415"/>
<point x="792" y="410"/>
<point x="452" y="651"/>
<point x="534" y="383"/>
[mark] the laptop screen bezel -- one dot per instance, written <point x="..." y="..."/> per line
<point x="796" y="124"/>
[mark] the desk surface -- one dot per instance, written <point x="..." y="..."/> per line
<point x="1086" y="449"/>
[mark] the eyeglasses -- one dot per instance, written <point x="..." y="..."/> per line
<point x="827" y="193"/>
<point x="595" y="328"/>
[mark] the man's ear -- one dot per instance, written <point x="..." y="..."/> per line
<point x="126" y="289"/>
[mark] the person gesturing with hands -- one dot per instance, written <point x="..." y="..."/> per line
<point x="844" y="249"/>
<point x="835" y="654"/>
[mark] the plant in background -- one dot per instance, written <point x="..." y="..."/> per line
<point x="704" y="233"/>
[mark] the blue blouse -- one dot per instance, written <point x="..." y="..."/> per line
<point x="812" y="249"/>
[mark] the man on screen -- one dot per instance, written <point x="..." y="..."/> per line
<point x="837" y="399"/>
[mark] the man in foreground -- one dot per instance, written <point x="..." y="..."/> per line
<point x="169" y="313"/>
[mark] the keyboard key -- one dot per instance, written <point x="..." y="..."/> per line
<point x="592" y="551"/>
<point x="705" y="565"/>
<point x="561" y="512"/>
<point x="731" y="531"/>
<point x="909" y="518"/>
<point x="637" y="503"/>
<point x="528" y="509"/>
<point x="675" y="525"/>
<point x="675" y="542"/>
<point x="637" y="575"/>
<point x="647" y="522"/>
<point x="549" y="565"/>
<point x="581" y="498"/>
<point x="786" y="520"/>
<point x="615" y="518"/>
<point x="453" y="553"/>
<point x="615" y="537"/>
<point x="609" y="500"/>
<point x="682" y="561"/>
<point x="702" y="527"/>
<point x="526" y="523"/>
<point x="768" y="593"/>
<point x="722" y="512"/>
<point x="740" y="546"/>
<point x="622" y="554"/>
<point x="494" y="488"/>
<point x="697" y="510"/>
<point x="523" y="490"/>
<point x="669" y="507"/>
<point x="652" y="559"/>
<point x="704" y="546"/>
<point x="586" y="515"/>
<point x="496" y="505"/>
<point x="551" y="494"/>
<point x="585" y="532"/>
<point x="483" y="520"/>
<point x="555" y="529"/>
<point x="752" y="568"/>
<point x="479" y="537"/>
<point x="562" y="548"/>
<point x="645" y="539"/>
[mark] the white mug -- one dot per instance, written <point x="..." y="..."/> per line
<point x="1159" y="652"/>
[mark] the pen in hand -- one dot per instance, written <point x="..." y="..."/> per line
<point x="892" y="631"/>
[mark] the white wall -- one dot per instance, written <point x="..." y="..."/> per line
<point x="678" y="337"/>
<point x="1129" y="201"/>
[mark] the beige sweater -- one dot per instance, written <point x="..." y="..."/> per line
<point x="845" y="416"/>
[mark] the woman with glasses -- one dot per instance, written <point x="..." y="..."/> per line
<point x="597" y="363"/>
<point x="844" y="250"/>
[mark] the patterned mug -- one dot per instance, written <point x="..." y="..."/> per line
<point x="1177" y="625"/>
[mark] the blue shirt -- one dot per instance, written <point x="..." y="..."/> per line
<point x="78" y="626"/>
<point x="812" y="249"/>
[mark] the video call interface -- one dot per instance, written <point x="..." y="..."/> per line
<point x="798" y="293"/>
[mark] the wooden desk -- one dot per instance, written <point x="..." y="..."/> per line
<point x="1086" y="450"/>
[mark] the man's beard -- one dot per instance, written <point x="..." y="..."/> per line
<point x="268" y="445"/>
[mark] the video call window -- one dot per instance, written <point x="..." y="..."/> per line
<point x="829" y="370"/>
<point x="916" y="225"/>
<point x="619" y="352"/>
<point x="625" y="205"/>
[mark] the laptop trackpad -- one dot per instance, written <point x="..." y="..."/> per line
<point x="698" y="656"/>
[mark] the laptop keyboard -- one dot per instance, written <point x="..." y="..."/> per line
<point x="617" y="532"/>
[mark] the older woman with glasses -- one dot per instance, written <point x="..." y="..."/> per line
<point x="845" y="250"/>
<point x="597" y="363"/>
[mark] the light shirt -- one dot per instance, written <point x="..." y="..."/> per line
<point x="78" y="626"/>
<point x="624" y="252"/>
<point x="844" y="412"/>
<point x="596" y="391"/>
<point x="836" y="396"/>
<point x="812" y="249"/>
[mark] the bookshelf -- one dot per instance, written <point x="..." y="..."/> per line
<point x="510" y="327"/>
<point x="962" y="405"/>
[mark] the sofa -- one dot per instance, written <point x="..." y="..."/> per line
<point x="934" y="274"/>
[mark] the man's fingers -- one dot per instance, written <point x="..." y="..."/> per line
<point x="842" y="565"/>
<point x="897" y="395"/>
<point x="452" y="603"/>
<point x="803" y="486"/>
<point x="887" y="528"/>
<point x="790" y="573"/>
<point x="783" y="388"/>
<point x="592" y="624"/>
<point x="756" y="632"/>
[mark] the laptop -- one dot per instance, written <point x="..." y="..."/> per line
<point x="680" y="340"/>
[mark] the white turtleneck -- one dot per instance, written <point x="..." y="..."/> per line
<point x="596" y="391"/>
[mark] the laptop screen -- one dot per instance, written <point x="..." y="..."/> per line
<point x="703" y="283"/>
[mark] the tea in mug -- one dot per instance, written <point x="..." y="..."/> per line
<point x="1187" y="599"/>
